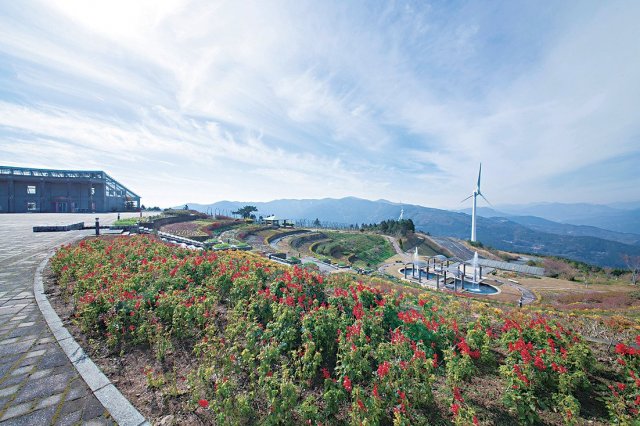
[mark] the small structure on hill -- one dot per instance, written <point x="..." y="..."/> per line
<point x="274" y="221"/>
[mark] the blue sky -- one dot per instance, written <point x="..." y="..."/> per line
<point x="201" y="101"/>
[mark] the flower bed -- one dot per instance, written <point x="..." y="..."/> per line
<point x="279" y="345"/>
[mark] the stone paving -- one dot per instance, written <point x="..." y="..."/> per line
<point x="38" y="383"/>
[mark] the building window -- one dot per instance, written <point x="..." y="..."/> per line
<point x="32" y="207"/>
<point x="93" y="191"/>
<point x="31" y="189"/>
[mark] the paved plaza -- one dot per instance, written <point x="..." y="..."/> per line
<point x="38" y="383"/>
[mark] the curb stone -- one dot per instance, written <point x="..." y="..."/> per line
<point x="120" y="409"/>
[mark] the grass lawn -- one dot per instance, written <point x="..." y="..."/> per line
<point x="130" y="221"/>
<point x="361" y="248"/>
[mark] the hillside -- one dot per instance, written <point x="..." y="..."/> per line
<point x="544" y="225"/>
<point x="606" y="217"/>
<point x="501" y="233"/>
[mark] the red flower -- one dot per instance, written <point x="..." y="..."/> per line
<point x="357" y="311"/>
<point x="325" y="373"/>
<point x="203" y="403"/>
<point x="456" y="394"/>
<point x="475" y="420"/>
<point x="521" y="376"/>
<point x="377" y="395"/>
<point x="455" y="409"/>
<point x="463" y="346"/>
<point x="361" y="405"/>
<point x="383" y="369"/>
<point x="623" y="349"/>
<point x="347" y="383"/>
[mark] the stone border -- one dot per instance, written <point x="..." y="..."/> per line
<point x="119" y="407"/>
<point x="59" y="228"/>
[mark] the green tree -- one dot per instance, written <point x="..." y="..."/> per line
<point x="245" y="211"/>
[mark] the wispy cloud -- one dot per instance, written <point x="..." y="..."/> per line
<point x="200" y="101"/>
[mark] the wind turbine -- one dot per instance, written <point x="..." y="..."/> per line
<point x="475" y="194"/>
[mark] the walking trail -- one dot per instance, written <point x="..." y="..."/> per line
<point x="38" y="383"/>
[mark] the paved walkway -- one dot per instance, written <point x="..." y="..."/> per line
<point x="38" y="384"/>
<point x="454" y="246"/>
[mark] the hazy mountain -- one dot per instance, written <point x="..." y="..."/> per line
<point x="502" y="233"/>
<point x="348" y="210"/>
<point x="558" y="212"/>
<point x="625" y="219"/>
<point x="544" y="225"/>
<point x="505" y="234"/>
<point x="487" y="212"/>
<point x="628" y="205"/>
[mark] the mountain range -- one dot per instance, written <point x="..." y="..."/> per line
<point x="501" y="230"/>
<point x="539" y="223"/>
<point x="624" y="217"/>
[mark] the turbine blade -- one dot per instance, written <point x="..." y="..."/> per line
<point x="466" y="198"/>
<point x="479" y="173"/>
<point x="485" y="198"/>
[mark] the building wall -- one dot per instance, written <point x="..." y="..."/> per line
<point x="4" y="196"/>
<point x="56" y="195"/>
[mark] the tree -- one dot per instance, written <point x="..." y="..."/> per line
<point x="245" y="211"/>
<point x="633" y="263"/>
<point x="316" y="223"/>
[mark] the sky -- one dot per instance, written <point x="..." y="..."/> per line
<point x="202" y="101"/>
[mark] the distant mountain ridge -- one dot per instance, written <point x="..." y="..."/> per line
<point x="502" y="232"/>
<point x="625" y="217"/>
<point x="543" y="225"/>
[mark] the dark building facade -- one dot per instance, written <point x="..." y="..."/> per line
<point x="25" y="190"/>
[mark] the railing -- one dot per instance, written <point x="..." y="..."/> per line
<point x="22" y="171"/>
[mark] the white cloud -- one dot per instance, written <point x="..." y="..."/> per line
<point x="260" y="101"/>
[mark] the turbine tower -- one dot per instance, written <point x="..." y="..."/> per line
<point x="401" y="213"/>
<point x="475" y="194"/>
